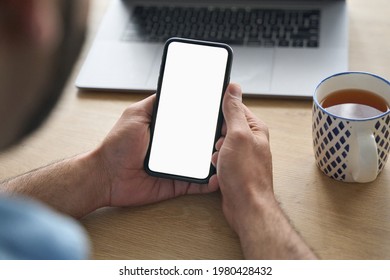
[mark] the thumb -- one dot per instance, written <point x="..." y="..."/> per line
<point x="146" y="104"/>
<point x="232" y="108"/>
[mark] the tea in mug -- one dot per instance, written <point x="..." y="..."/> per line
<point x="355" y="104"/>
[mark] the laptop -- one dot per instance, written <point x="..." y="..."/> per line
<point x="281" y="48"/>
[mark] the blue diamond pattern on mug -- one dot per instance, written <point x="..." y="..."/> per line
<point x="383" y="140"/>
<point x="330" y="143"/>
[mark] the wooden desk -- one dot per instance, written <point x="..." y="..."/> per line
<point x="339" y="221"/>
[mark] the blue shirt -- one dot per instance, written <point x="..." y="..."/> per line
<point x="29" y="230"/>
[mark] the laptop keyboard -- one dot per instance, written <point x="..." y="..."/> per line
<point x="235" y="26"/>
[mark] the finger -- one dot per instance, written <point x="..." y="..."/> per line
<point x="214" y="159"/>
<point x="233" y="110"/>
<point x="219" y="143"/>
<point x="213" y="182"/>
<point x="202" y="189"/>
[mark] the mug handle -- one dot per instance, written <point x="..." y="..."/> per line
<point x="365" y="163"/>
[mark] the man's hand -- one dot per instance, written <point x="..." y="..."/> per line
<point x="111" y="175"/>
<point x="244" y="175"/>
<point x="243" y="158"/>
<point x="122" y="156"/>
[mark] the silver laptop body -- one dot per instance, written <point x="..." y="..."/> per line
<point x="122" y="59"/>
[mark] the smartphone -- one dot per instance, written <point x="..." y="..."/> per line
<point x="187" y="116"/>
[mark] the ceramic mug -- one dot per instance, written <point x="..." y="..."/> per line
<point x="351" y="149"/>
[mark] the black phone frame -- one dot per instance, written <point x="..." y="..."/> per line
<point x="220" y="115"/>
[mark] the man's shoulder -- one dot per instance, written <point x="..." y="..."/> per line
<point x="31" y="230"/>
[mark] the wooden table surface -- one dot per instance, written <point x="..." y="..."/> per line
<point x="338" y="220"/>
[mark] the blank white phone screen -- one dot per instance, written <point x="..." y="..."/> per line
<point x="188" y="110"/>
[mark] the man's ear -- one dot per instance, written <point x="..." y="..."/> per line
<point x="29" y="21"/>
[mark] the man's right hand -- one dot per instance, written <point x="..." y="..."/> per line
<point x="243" y="159"/>
<point x="244" y="175"/>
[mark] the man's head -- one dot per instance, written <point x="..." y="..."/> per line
<point x="40" y="41"/>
